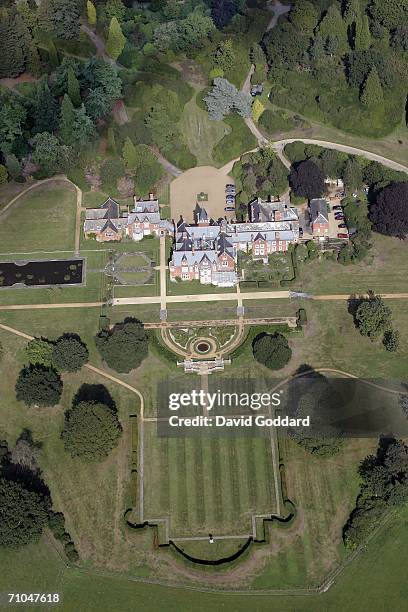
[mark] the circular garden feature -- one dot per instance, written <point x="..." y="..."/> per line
<point x="203" y="347"/>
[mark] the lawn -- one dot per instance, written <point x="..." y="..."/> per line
<point x="200" y="132"/>
<point x="42" y="219"/>
<point x="383" y="271"/>
<point x="374" y="581"/>
<point x="208" y="484"/>
<point x="194" y="287"/>
<point x="202" y="311"/>
<point x="238" y="141"/>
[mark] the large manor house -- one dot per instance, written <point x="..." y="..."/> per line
<point x="205" y="250"/>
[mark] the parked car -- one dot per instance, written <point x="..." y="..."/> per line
<point x="354" y="195"/>
<point x="366" y="189"/>
<point x="300" y="231"/>
<point x="339" y="217"/>
<point x="229" y="208"/>
<point x="337" y="207"/>
<point x="342" y="236"/>
<point x="342" y="226"/>
<point x="230" y="187"/>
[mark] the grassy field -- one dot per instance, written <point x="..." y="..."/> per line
<point x="238" y="141"/>
<point x="42" y="219"/>
<point x="383" y="270"/>
<point x="200" y="132"/>
<point x="207" y="484"/>
<point x="324" y="493"/>
<point x="374" y="581"/>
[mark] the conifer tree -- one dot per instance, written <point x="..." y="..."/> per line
<point x="67" y="120"/>
<point x="45" y="113"/>
<point x="129" y="155"/>
<point x="352" y="12"/>
<point x="91" y="12"/>
<point x="73" y="88"/>
<point x="372" y="92"/>
<point x="116" y="39"/>
<point x="362" y="39"/>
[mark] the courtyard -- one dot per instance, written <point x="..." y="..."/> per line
<point x="185" y="189"/>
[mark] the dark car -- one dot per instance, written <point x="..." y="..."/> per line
<point x="342" y="226"/>
<point x="339" y="217"/>
<point x="300" y="231"/>
<point x="337" y="207"/>
<point x="342" y="235"/>
<point x="229" y="208"/>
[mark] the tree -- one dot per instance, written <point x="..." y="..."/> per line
<point x="73" y="90"/>
<point x="352" y="175"/>
<point x="91" y="431"/>
<point x="391" y="13"/>
<point x="224" y="97"/>
<point x="116" y="40"/>
<point x="391" y="340"/>
<point x="224" y="56"/>
<point x="332" y="26"/>
<point x="142" y="163"/>
<point x="389" y="212"/>
<point x="115" y="8"/>
<point x="129" y="155"/>
<point x="163" y="130"/>
<point x="125" y="346"/>
<point x="307" y="180"/>
<point x="257" y="55"/>
<point x="105" y="87"/>
<point x="12" y="118"/>
<point x="372" y="94"/>
<point x="305" y="17"/>
<point x="222" y="11"/>
<point x="45" y="110"/>
<point x="373" y="317"/>
<point x="23" y="515"/>
<point x="272" y="350"/>
<point x="38" y="385"/>
<point x="3" y="175"/>
<point x="39" y="352"/>
<point x="70" y="353"/>
<point x="76" y="128"/>
<point x="352" y="11"/>
<point x="91" y="13"/>
<point x="13" y="166"/>
<point x="111" y="171"/>
<point x="257" y="110"/>
<point x="64" y="18"/>
<point x="12" y="43"/>
<point x="362" y="39"/>
<point x="48" y="153"/>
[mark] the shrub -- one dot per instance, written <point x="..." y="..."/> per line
<point x="71" y="552"/>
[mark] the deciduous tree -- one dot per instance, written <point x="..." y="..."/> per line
<point x="307" y="180"/>
<point x="69" y="353"/>
<point x="389" y="212"/>
<point x="373" y="317"/>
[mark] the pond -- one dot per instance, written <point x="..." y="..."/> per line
<point x="42" y="273"/>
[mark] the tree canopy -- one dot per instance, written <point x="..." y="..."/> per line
<point x="272" y="350"/>
<point x="125" y="346"/>
<point x="373" y="317"/>
<point x="38" y="385"/>
<point x="91" y="431"/>
<point x="389" y="212"/>
<point x="69" y="353"/>
<point x="23" y="514"/>
<point x="307" y="180"/>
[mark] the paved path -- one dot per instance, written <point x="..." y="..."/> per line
<point x="280" y="144"/>
<point x="168" y="166"/>
<point x="163" y="273"/>
<point x="204" y="297"/>
<point x="100" y="45"/>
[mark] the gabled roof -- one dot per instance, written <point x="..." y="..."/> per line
<point x="318" y="211"/>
